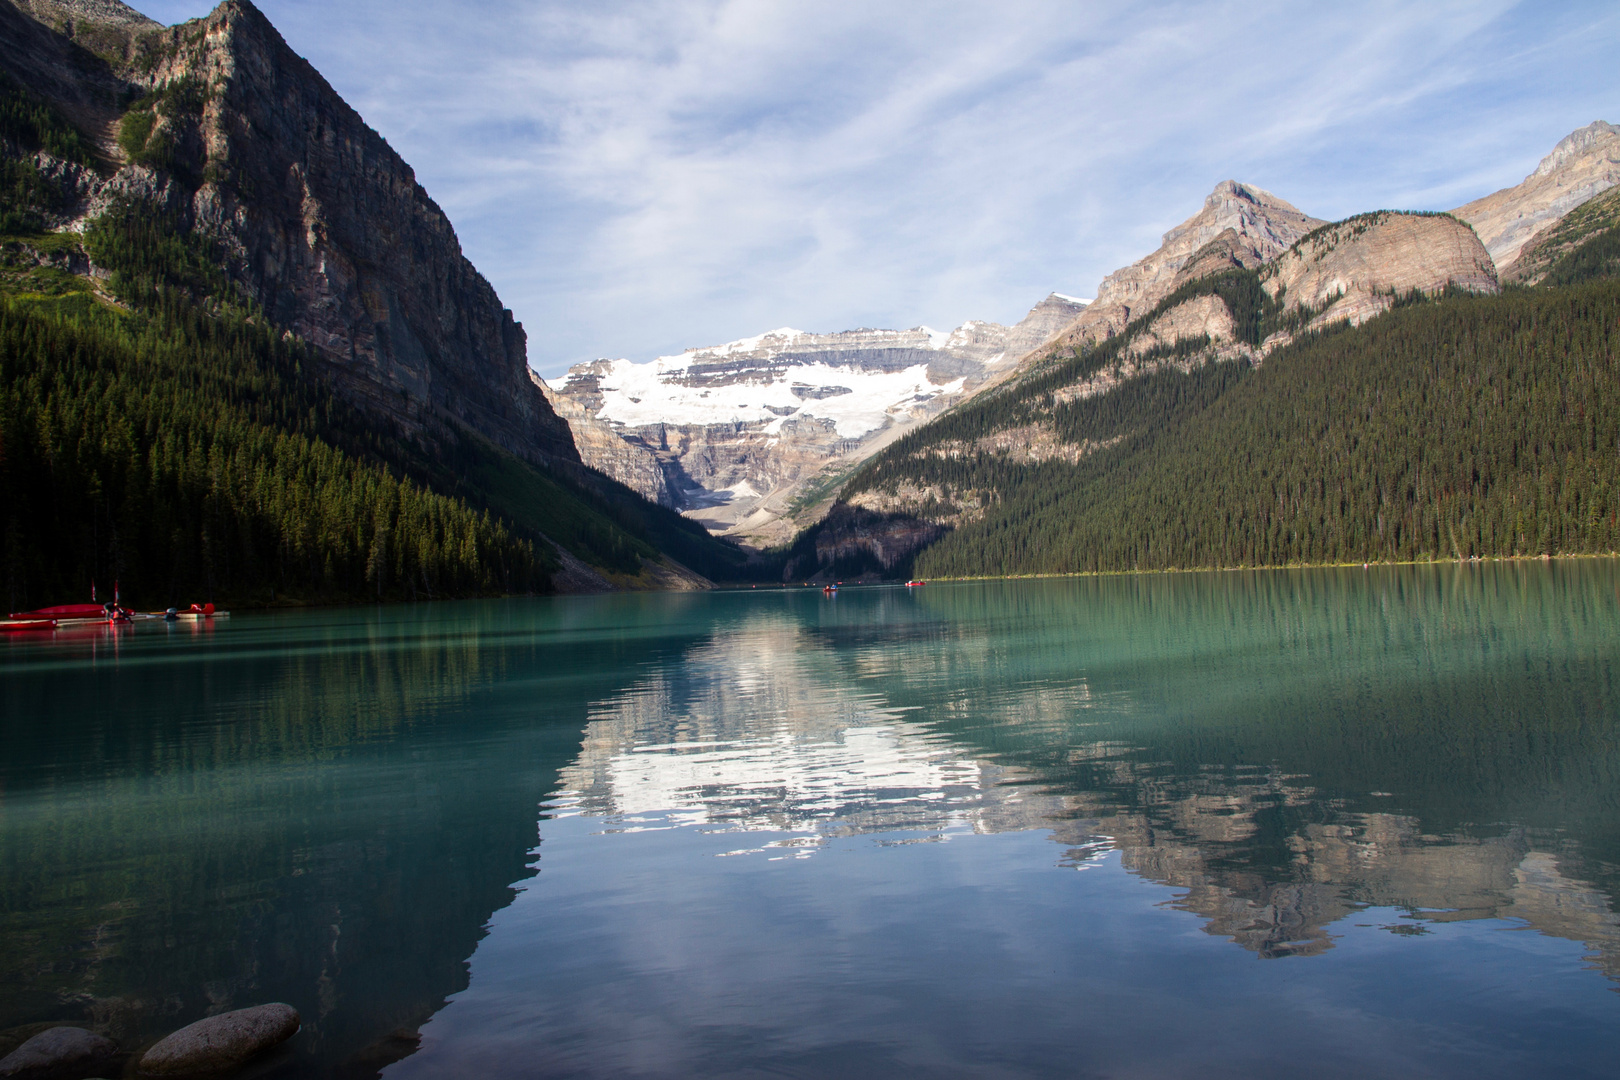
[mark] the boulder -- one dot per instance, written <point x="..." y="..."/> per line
<point x="220" y="1043"/>
<point x="59" y="1053"/>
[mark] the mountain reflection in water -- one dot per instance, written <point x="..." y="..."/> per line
<point x="776" y="832"/>
<point x="780" y="724"/>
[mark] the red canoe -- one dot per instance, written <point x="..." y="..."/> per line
<point x="64" y="611"/>
<point x="32" y="624"/>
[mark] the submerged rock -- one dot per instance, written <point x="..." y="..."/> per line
<point x="59" y="1053"/>
<point x="220" y="1043"/>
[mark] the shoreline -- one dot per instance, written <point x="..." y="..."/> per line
<point x="1282" y="566"/>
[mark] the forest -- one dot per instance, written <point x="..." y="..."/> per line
<point x="158" y="432"/>
<point x="179" y="452"/>
<point x="1452" y="427"/>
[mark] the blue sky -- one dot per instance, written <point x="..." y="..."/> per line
<point x="636" y="178"/>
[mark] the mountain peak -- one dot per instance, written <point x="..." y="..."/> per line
<point x="1576" y="142"/>
<point x="1230" y="191"/>
<point x="1585" y="163"/>
<point x="1239" y="225"/>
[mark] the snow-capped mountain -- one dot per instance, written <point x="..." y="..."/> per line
<point x="737" y="434"/>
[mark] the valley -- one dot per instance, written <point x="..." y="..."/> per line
<point x="202" y="182"/>
<point x="863" y="449"/>
<point x="678" y="715"/>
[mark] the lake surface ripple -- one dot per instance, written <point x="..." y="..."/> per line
<point x="1327" y="822"/>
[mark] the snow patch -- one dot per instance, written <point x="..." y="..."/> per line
<point x="641" y="394"/>
<point x="747" y="344"/>
<point x="1071" y="299"/>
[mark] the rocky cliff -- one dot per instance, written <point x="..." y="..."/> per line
<point x="1356" y="268"/>
<point x="743" y="433"/>
<point x="1585" y="163"/>
<point x="1558" y="241"/>
<point x="1239" y="225"/>
<point x="602" y="448"/>
<point x="220" y="124"/>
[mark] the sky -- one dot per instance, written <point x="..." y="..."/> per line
<point x="640" y="177"/>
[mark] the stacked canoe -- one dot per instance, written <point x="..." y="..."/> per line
<point x="64" y="615"/>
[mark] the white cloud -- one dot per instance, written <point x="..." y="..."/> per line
<point x="635" y="178"/>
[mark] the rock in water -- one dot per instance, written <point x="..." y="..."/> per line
<point x="220" y="1043"/>
<point x="61" y="1053"/>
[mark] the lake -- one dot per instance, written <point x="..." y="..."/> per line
<point x="1321" y="822"/>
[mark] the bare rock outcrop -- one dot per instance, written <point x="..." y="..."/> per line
<point x="1585" y="163"/>
<point x="1354" y="269"/>
<point x="1239" y="225"/>
<point x="855" y="534"/>
<point x="1202" y="316"/>
<point x="601" y="447"/>
<point x="1045" y="321"/>
<point x="1564" y="236"/>
<point x="112" y="13"/>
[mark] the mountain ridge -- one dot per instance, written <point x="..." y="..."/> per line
<point x="1238" y="225"/>
<point x="1582" y="165"/>
<point x="1088" y="404"/>
<point x="735" y="434"/>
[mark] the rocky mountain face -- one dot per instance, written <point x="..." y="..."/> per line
<point x="1355" y="269"/>
<point x="600" y="446"/>
<point x="1584" y="164"/>
<point x="1239" y="226"/>
<point x="1349" y="271"/>
<point x="739" y="435"/>
<point x="1581" y="225"/>
<point x="217" y="122"/>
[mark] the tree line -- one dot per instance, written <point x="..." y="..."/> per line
<point x="180" y="452"/>
<point x="1454" y="426"/>
<point x="1477" y="427"/>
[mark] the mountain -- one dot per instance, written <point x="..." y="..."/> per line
<point x="337" y="405"/>
<point x="1456" y="427"/>
<point x="1585" y="163"/>
<point x="1243" y="402"/>
<point x="1238" y="226"/>
<point x="602" y="448"/>
<point x="741" y="435"/>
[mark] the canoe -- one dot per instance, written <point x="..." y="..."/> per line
<point x="64" y="611"/>
<point x="17" y="625"/>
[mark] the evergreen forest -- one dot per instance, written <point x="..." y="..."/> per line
<point x="158" y="432"/>
<point x="1453" y="427"/>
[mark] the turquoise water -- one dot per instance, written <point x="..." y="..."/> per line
<point x="1329" y="822"/>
